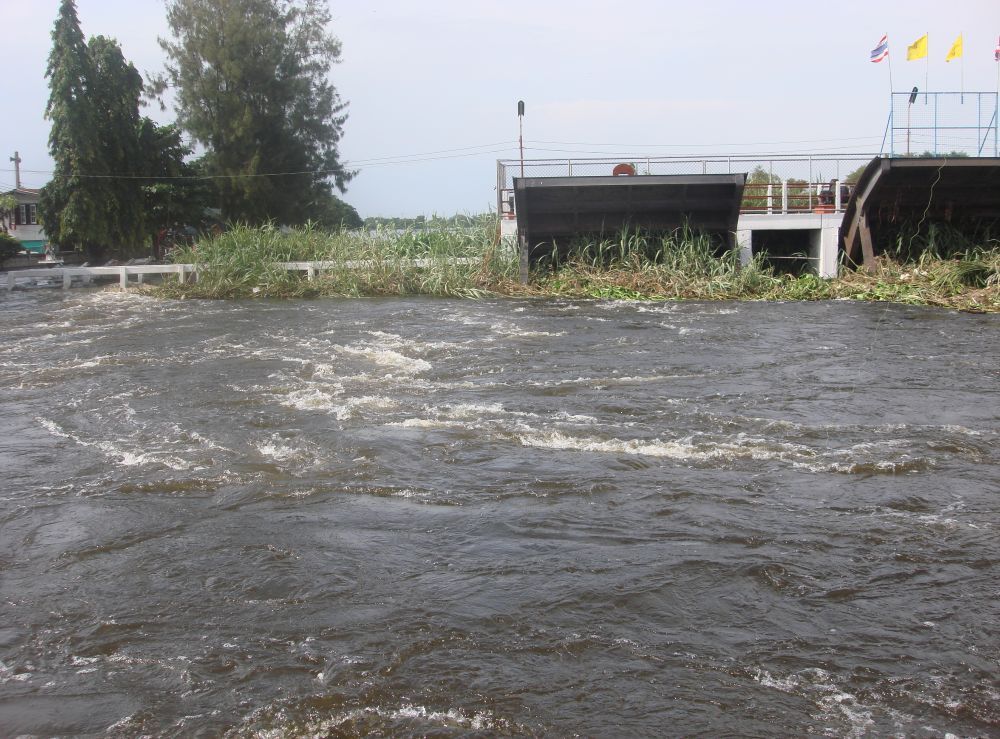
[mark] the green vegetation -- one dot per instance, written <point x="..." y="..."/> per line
<point x="473" y="262"/>
<point x="98" y="201"/>
<point x="686" y="266"/>
<point x="459" y="220"/>
<point x="242" y="262"/>
<point x="9" y="247"/>
<point x="7" y="205"/>
<point x="250" y="80"/>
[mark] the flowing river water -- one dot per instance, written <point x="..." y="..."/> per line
<point x="511" y="517"/>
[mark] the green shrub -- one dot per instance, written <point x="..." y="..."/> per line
<point x="9" y="247"/>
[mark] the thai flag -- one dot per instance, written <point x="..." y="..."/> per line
<point x="996" y="52"/>
<point x="881" y="51"/>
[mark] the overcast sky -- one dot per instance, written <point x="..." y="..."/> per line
<point x="433" y="85"/>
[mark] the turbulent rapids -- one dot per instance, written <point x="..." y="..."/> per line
<point x="443" y="517"/>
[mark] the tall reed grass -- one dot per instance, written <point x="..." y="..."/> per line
<point x="245" y="261"/>
<point x="474" y="262"/>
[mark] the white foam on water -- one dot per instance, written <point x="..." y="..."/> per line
<point x="313" y="398"/>
<point x="514" y="331"/>
<point x="575" y="418"/>
<point x="657" y="308"/>
<point x="831" y="700"/>
<point x="76" y="364"/>
<point x="354" y="406"/>
<point x="466" y="410"/>
<point x="53" y="428"/>
<point x="389" y="358"/>
<point x="426" y="423"/>
<point x="785" y="684"/>
<point x="118" y="449"/>
<point x="386" y="336"/>
<point x="599" y="382"/>
<point x="426" y="718"/>
<point x="277" y="451"/>
<point x="407" y="493"/>
<point x="739" y="447"/>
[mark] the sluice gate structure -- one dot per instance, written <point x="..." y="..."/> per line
<point x="896" y="197"/>
<point x="786" y="208"/>
<point x="797" y="224"/>
<point x="554" y="210"/>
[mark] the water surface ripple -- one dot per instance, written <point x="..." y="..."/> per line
<point x="413" y="517"/>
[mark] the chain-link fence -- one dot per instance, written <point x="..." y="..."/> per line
<point x="940" y="123"/>
<point x="776" y="184"/>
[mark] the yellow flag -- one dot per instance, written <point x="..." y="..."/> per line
<point x="918" y="49"/>
<point x="956" y="49"/>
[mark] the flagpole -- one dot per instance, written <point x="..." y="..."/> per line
<point x="927" y="67"/>
<point x="892" y="103"/>
<point x="888" y="58"/>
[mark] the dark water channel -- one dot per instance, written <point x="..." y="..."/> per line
<point x="429" y="517"/>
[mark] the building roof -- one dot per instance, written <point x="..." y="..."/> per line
<point x="25" y="194"/>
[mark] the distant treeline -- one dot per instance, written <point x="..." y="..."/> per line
<point x="459" y="220"/>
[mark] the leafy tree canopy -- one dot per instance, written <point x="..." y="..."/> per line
<point x="7" y="205"/>
<point x="94" y="200"/>
<point x="250" y="79"/>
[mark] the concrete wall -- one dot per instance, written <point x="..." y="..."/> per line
<point x="823" y="231"/>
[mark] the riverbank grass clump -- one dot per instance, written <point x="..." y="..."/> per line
<point x="247" y="262"/>
<point x="689" y="266"/>
<point x="475" y="262"/>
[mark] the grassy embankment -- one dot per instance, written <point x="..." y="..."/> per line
<point x="473" y="263"/>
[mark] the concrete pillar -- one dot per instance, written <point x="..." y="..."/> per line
<point x="67" y="279"/>
<point x="744" y="242"/>
<point x="123" y="278"/>
<point x="311" y="273"/>
<point x="829" y="248"/>
<point x="10" y="280"/>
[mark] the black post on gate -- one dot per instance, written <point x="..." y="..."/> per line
<point x="520" y="126"/>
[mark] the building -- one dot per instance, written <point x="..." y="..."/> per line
<point x="23" y="223"/>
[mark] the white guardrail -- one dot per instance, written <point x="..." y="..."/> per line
<point x="139" y="271"/>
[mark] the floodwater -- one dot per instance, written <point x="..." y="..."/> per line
<point x="435" y="517"/>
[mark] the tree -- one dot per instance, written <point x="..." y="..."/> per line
<point x="178" y="192"/>
<point x="755" y="190"/>
<point x="94" y="200"/>
<point x="7" y="205"/>
<point x="9" y="247"/>
<point x="116" y="91"/>
<point x="69" y="212"/>
<point x="250" y="85"/>
<point x="337" y="214"/>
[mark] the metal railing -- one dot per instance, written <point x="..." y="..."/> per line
<point x="940" y="123"/>
<point x="775" y="184"/>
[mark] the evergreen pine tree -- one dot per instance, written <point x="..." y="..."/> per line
<point x="250" y="84"/>
<point x="68" y="210"/>
<point x="94" y="201"/>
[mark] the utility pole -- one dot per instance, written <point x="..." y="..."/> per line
<point x="17" y="170"/>
<point x="520" y="125"/>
